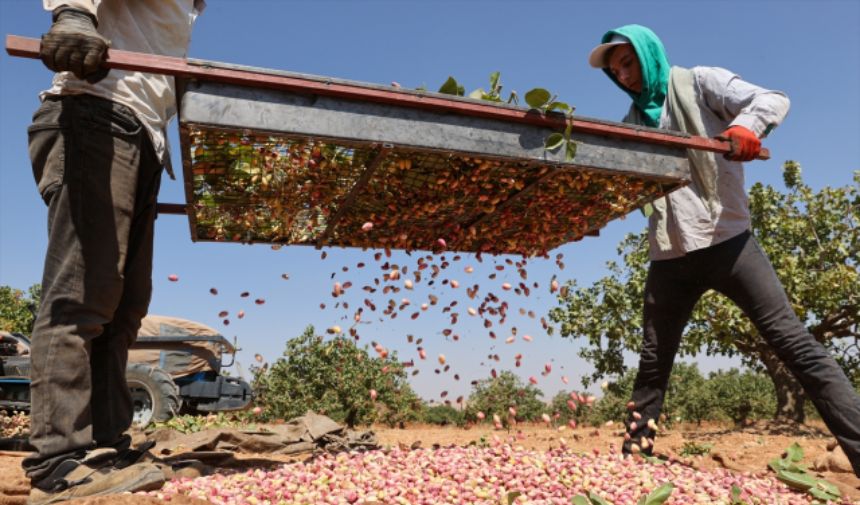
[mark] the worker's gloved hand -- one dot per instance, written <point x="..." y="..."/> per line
<point x="73" y="44"/>
<point x="746" y="145"/>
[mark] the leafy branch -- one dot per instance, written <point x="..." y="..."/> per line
<point x="538" y="99"/>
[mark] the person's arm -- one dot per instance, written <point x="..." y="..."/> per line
<point x="89" y="6"/>
<point x="73" y="44"/>
<point x="751" y="111"/>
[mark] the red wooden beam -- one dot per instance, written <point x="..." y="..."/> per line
<point x="180" y="67"/>
<point x="171" y="208"/>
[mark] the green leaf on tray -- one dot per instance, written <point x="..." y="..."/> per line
<point x="494" y="80"/>
<point x="558" y="106"/>
<point x="647" y="210"/>
<point x="478" y="94"/>
<point x="570" y="151"/>
<point x="450" y="87"/>
<point x="553" y="141"/>
<point x="537" y="98"/>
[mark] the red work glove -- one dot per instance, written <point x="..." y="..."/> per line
<point x="745" y="144"/>
<point x="73" y="44"/>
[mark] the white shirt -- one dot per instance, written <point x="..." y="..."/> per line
<point x="148" y="26"/>
<point x="688" y="222"/>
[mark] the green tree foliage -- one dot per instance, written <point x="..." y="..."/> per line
<point x="813" y="241"/>
<point x="17" y="308"/>
<point x="335" y="377"/>
<point x="496" y="395"/>
<point x="741" y="396"/>
<point x="443" y="415"/>
<point x="612" y="406"/>
<point x="691" y="397"/>
<point x="566" y="412"/>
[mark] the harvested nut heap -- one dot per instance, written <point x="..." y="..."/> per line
<point x="251" y="187"/>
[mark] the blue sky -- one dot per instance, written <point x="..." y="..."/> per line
<point x="809" y="49"/>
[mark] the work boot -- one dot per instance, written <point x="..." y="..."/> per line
<point x="94" y="475"/>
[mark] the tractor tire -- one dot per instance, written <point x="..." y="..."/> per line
<point x="154" y="394"/>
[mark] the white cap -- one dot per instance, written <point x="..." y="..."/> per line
<point x="597" y="58"/>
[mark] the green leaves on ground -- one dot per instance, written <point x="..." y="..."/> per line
<point x="591" y="499"/>
<point x="510" y="498"/>
<point x="658" y="496"/>
<point x="736" y="496"/>
<point x="791" y="471"/>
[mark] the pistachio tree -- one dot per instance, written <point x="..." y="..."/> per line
<point x="813" y="241"/>
<point x="18" y="308"/>
<point x="335" y="377"/>
<point x="506" y="396"/>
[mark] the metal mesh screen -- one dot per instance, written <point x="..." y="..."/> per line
<point x="250" y="186"/>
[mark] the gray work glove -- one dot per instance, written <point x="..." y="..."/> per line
<point x="73" y="44"/>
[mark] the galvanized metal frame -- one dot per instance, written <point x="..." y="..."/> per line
<point x="326" y="86"/>
<point x="239" y="97"/>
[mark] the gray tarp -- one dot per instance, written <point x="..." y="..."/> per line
<point x="303" y="434"/>
<point x="176" y="358"/>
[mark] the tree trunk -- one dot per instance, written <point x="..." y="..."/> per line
<point x="790" y="396"/>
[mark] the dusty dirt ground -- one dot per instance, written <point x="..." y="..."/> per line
<point x="743" y="450"/>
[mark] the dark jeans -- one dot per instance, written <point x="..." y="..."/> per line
<point x="740" y="270"/>
<point x="98" y="173"/>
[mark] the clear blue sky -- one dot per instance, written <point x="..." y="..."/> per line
<point x="809" y="49"/>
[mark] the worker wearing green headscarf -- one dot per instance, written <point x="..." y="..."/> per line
<point x="654" y="82"/>
<point x="699" y="235"/>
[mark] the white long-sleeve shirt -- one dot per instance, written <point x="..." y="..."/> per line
<point x="689" y="219"/>
<point x="149" y="26"/>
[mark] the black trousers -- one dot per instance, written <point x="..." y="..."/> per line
<point x="740" y="270"/>
<point x="96" y="169"/>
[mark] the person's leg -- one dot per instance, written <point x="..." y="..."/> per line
<point x="755" y="288"/>
<point x="671" y="292"/>
<point x="85" y="156"/>
<point x="112" y="407"/>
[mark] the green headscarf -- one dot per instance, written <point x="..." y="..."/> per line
<point x="655" y="70"/>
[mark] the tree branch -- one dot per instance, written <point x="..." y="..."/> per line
<point x="836" y="324"/>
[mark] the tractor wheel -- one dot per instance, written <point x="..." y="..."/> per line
<point x="153" y="393"/>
